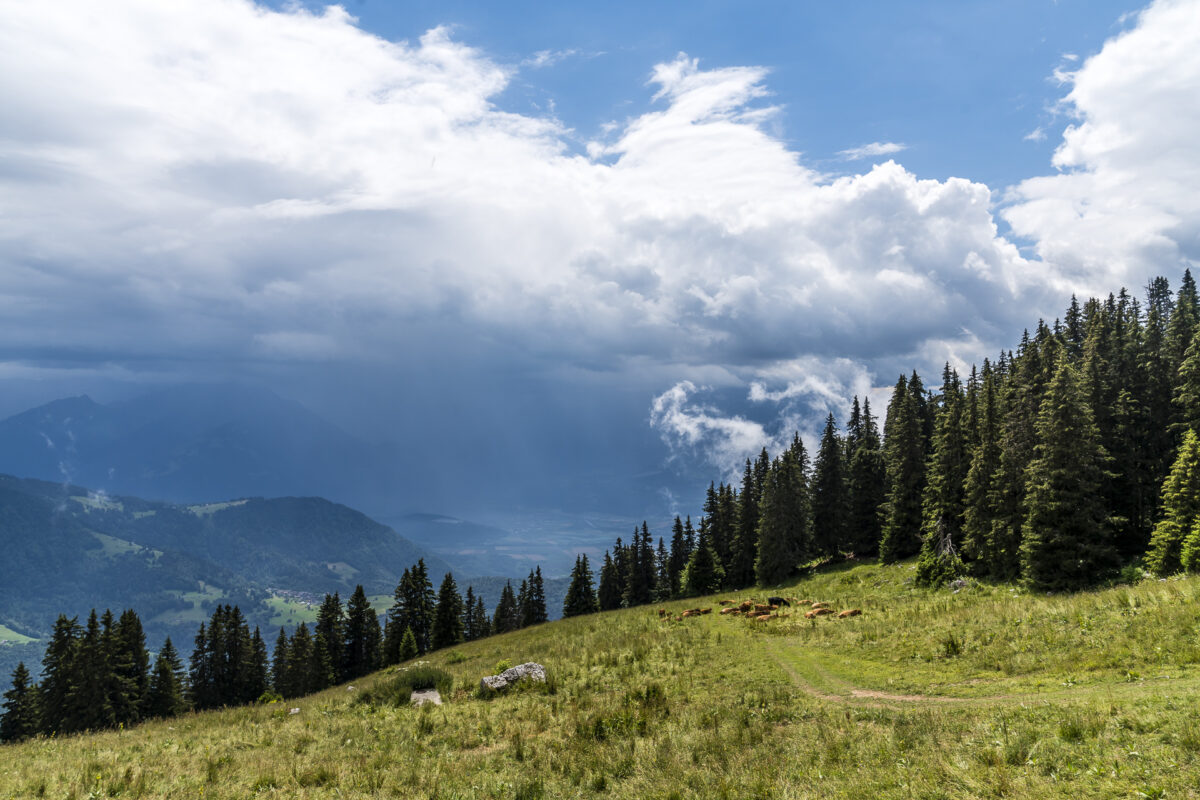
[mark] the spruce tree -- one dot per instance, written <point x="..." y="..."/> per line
<point x="610" y="584"/>
<point x="866" y="489"/>
<point x="421" y="618"/>
<point x="408" y="646"/>
<point x="330" y="631"/>
<point x="165" y="693"/>
<point x="829" y="500"/>
<point x="130" y="668"/>
<point x="300" y="678"/>
<point x="470" y="632"/>
<point x="21" y="717"/>
<point x="785" y="523"/>
<point x="255" y="681"/>
<point x="90" y="704"/>
<point x="942" y="501"/>
<point x="537" y="599"/>
<point x="1067" y="538"/>
<point x="581" y="597"/>
<point x="480" y="619"/>
<point x="678" y="558"/>
<point x="58" y="675"/>
<point x="523" y="609"/>
<point x="704" y="573"/>
<point x="279" y="664"/>
<point x="1180" y="509"/>
<point x="506" y="616"/>
<point x="447" y="619"/>
<point x="362" y="636"/>
<point x="1187" y="387"/>
<point x="639" y="586"/>
<point x="978" y="514"/>
<point x="904" y="453"/>
<point x="662" y="572"/>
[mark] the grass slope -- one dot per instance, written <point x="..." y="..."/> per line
<point x="987" y="693"/>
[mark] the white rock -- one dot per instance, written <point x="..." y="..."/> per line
<point x="529" y="670"/>
<point x="294" y="711"/>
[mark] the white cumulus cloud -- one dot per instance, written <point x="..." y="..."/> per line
<point x="872" y="150"/>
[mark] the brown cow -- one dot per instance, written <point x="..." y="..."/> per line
<point x="819" y="605"/>
<point x="850" y="612"/>
<point x="729" y="611"/>
<point x="761" y="608"/>
<point x="706" y="610"/>
<point x="724" y="602"/>
<point x="746" y="606"/>
<point x="662" y="612"/>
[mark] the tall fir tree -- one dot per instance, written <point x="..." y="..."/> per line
<point x="978" y="514"/>
<point x="678" y="558"/>
<point x="279" y="664"/>
<point x="1067" y="538"/>
<point x="58" y="674"/>
<point x="330" y="635"/>
<point x="867" y="487"/>
<point x="610" y="584"/>
<point x="785" y="522"/>
<point x="21" y="718"/>
<point x="506" y="617"/>
<point x="470" y="632"/>
<point x="829" y="499"/>
<point x="662" y="572"/>
<point x="165" y="693"/>
<point x="447" y="618"/>
<point x="1180" y="509"/>
<point x="362" y="636"/>
<point x="943" y="499"/>
<point x="904" y="454"/>
<point x="581" y="596"/>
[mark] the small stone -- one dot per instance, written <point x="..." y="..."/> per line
<point x="294" y="711"/>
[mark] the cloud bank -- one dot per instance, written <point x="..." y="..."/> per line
<point x="189" y="185"/>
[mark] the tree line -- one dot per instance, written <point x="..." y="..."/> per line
<point x="1055" y="465"/>
<point x="100" y="675"/>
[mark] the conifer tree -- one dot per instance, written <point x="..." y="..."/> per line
<point x="523" y="610"/>
<point x="1187" y="387"/>
<point x="829" y="500"/>
<point x="165" y="693"/>
<point x="704" y="573"/>
<point x="470" y="632"/>
<point x="447" y="619"/>
<point x="581" y="597"/>
<point x="678" y="558"/>
<point x="408" y="645"/>
<point x="1184" y="322"/>
<point x="1180" y="509"/>
<point x="130" y="668"/>
<point x="256" y="673"/>
<point x="506" y="617"/>
<point x="785" y="523"/>
<point x="90" y="705"/>
<point x="537" y="599"/>
<point x="610" y="584"/>
<point x="1067" y="538"/>
<point x="423" y="597"/>
<point x="362" y="636"/>
<point x="21" y="717"/>
<point x="330" y="633"/>
<point x="942" y="502"/>
<point x="58" y="674"/>
<point x="279" y="664"/>
<point x="480" y="619"/>
<point x="904" y="454"/>
<point x="300" y="677"/>
<point x="985" y="462"/>
<point x="867" y="487"/>
<point x="639" y="587"/>
<point x="662" y="573"/>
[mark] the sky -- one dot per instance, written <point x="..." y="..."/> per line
<point x="621" y="242"/>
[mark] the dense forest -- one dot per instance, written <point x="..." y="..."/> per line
<point x="1059" y="465"/>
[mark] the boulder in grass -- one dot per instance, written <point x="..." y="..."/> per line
<point x="514" y="675"/>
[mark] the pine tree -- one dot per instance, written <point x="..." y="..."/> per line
<point x="703" y="573"/>
<point x="978" y="514"/>
<point x="165" y="693"/>
<point x="904" y="453"/>
<point x="610" y="584"/>
<point x="1067" y="534"/>
<point x="639" y="586"/>
<point x="662" y="572"/>
<point x="21" y="717"/>
<point x="867" y="487"/>
<point x="130" y="668"/>
<point x="447" y="619"/>
<point x="678" y="558"/>
<point x="943" y="499"/>
<point x="300" y="678"/>
<point x="1187" y="387"/>
<point x="1180" y="508"/>
<point x="421" y="618"/>
<point x="470" y="633"/>
<point x="90" y="705"/>
<point x="581" y="597"/>
<point x="536" y="610"/>
<point x="279" y="665"/>
<point x="506" y="616"/>
<point x="785" y="524"/>
<point x="331" y="633"/>
<point x="255" y="680"/>
<point x="408" y="646"/>
<point x="480" y="619"/>
<point x="58" y="675"/>
<point x="622" y="555"/>
<point x="829" y="500"/>
<point x="523" y="609"/>
<point x="362" y="636"/>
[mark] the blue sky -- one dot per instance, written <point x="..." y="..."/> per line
<point x="960" y="83"/>
<point x="620" y="241"/>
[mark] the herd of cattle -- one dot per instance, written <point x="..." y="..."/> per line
<point x="762" y="612"/>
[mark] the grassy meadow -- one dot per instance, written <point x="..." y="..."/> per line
<point x="989" y="692"/>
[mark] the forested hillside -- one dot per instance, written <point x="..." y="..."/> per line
<point x="1057" y="464"/>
